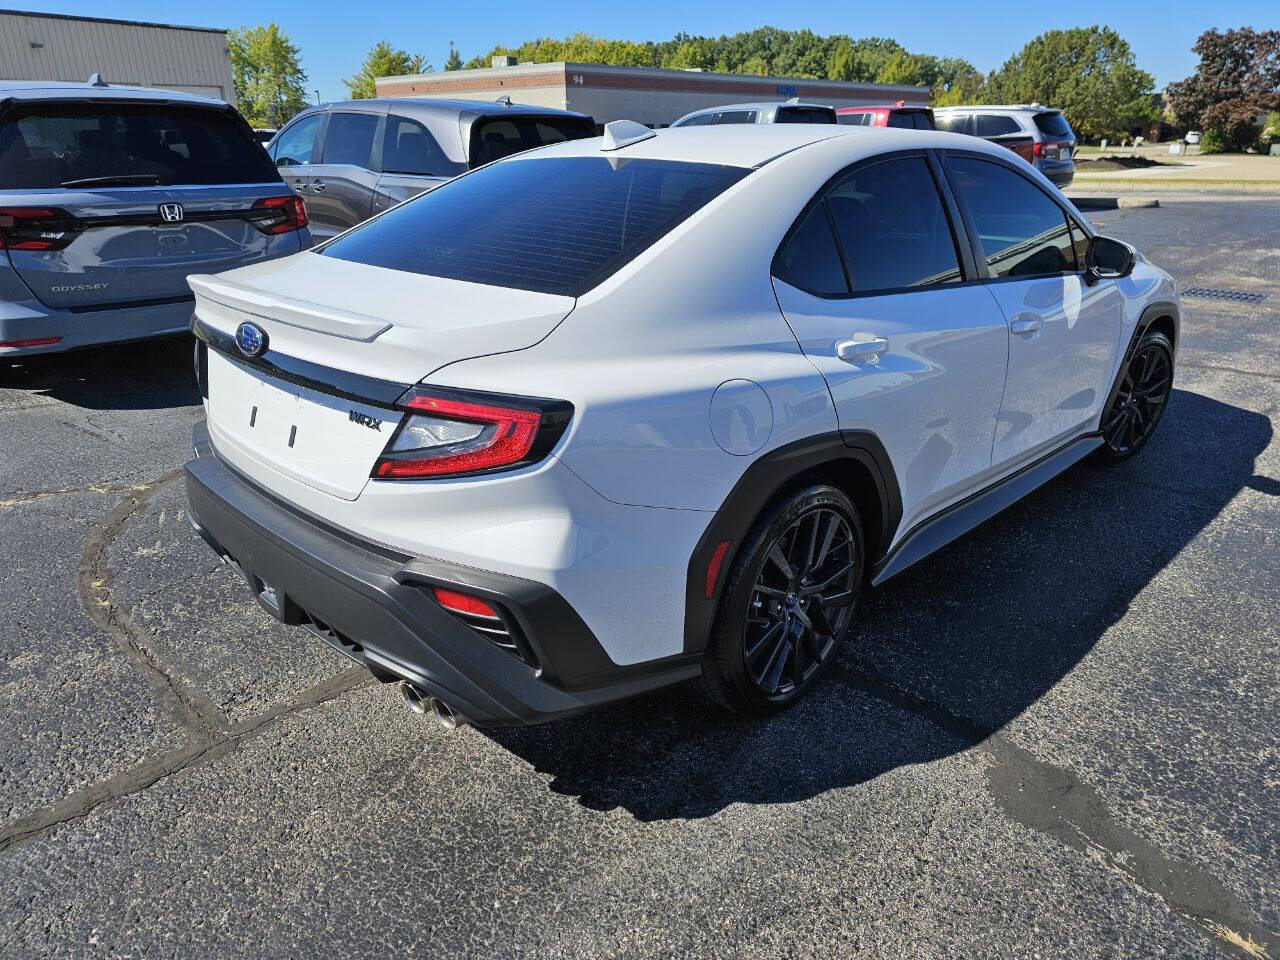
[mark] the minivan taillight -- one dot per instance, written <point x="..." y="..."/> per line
<point x="279" y="214"/>
<point x="454" y="432"/>
<point x="35" y="228"/>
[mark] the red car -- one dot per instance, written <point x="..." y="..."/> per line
<point x="893" y="115"/>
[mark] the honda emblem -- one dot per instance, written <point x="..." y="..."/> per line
<point x="171" y="212"/>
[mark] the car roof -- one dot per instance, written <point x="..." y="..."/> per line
<point x="883" y="106"/>
<point x="760" y="105"/>
<point x="1000" y="108"/>
<point x="753" y="145"/>
<point x="61" y="90"/>
<point x="442" y="107"/>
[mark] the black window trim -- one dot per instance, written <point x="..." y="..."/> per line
<point x="959" y="230"/>
<point x="975" y="244"/>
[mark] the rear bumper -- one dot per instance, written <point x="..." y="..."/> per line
<point x="26" y="321"/>
<point x="375" y="606"/>
<point x="1059" y="174"/>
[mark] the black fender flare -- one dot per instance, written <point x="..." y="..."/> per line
<point x="1150" y="313"/>
<point x="759" y="484"/>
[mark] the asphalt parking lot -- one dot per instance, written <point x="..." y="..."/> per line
<point x="1058" y="737"/>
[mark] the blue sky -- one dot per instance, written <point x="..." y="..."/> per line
<point x="335" y="35"/>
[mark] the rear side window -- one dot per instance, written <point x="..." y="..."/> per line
<point x="349" y="139"/>
<point x="1022" y="232"/>
<point x="408" y="147"/>
<point x="893" y="227"/>
<point x="810" y="260"/>
<point x="557" y="225"/>
<point x="804" y="115"/>
<point x="1054" y="124"/>
<point x="498" y="137"/>
<point x="47" y="145"/>
<point x="954" y="122"/>
<point x="295" y="145"/>
<point x="854" y="119"/>
<point x="996" y="125"/>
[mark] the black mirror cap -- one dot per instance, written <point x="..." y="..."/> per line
<point x="1108" y="259"/>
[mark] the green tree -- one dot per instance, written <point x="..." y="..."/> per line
<point x="1087" y="72"/>
<point x="384" y="60"/>
<point x="455" y="59"/>
<point x="1236" y="81"/>
<point x="269" y="81"/>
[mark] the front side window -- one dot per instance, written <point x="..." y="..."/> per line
<point x="294" y="147"/>
<point x="75" y="144"/>
<point x="408" y="147"/>
<point x="733" y="116"/>
<point x="697" y="120"/>
<point x="558" y="225"/>
<point x="1022" y="232"/>
<point x="893" y="227"/>
<point x="349" y="139"/>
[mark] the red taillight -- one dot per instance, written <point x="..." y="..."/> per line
<point x="463" y="603"/>
<point x="35" y="228"/>
<point x="446" y="434"/>
<point x="39" y="342"/>
<point x="280" y="214"/>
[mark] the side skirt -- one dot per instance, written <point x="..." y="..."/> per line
<point x="960" y="518"/>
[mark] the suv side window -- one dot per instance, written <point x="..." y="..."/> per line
<point x="734" y="116"/>
<point x="996" y="125"/>
<point x="408" y="147"/>
<point x="810" y="260"/>
<point x="1021" y="231"/>
<point x="294" y="146"/>
<point x="349" y="139"/>
<point x="955" y="122"/>
<point x="893" y="228"/>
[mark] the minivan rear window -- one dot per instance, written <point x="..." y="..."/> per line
<point x="1054" y="124"/>
<point x="804" y="115"/>
<point x="557" y="225"/>
<point x="493" y="138"/>
<point x="70" y="144"/>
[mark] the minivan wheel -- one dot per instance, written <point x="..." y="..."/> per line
<point x="1138" y="405"/>
<point x="787" y="604"/>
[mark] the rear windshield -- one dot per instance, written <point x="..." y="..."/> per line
<point x="910" y="119"/>
<point x="1053" y="125"/>
<point x="46" y="145"/>
<point x="497" y="137"/>
<point x="804" y="115"/>
<point x="554" y="225"/>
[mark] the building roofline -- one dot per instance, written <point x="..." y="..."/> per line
<point x="126" y="23"/>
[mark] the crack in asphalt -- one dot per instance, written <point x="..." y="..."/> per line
<point x="1223" y="369"/>
<point x="1052" y="801"/>
<point x="82" y="803"/>
<point x="21" y="499"/>
<point x="192" y="710"/>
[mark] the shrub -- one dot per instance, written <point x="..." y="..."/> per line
<point x="1213" y="141"/>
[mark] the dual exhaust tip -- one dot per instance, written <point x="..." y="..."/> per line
<point x="422" y="703"/>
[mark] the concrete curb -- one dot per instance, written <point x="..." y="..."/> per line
<point x="1112" y="203"/>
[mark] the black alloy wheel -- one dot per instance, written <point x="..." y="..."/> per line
<point x="1141" y="399"/>
<point x="788" y="602"/>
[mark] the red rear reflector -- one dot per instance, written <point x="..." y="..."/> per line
<point x="713" y="568"/>
<point x="463" y="603"/>
<point x="40" y="342"/>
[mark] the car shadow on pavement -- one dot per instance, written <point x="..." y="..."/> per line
<point x="946" y="654"/>
<point x="146" y="375"/>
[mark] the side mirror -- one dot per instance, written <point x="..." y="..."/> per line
<point x="1108" y="259"/>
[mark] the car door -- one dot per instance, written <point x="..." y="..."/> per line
<point x="343" y="183"/>
<point x="878" y="290"/>
<point x="1063" y="331"/>
<point x="412" y="162"/>
<point x="294" y="152"/>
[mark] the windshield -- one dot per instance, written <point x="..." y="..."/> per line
<point x="54" y="144"/>
<point x="557" y="225"/>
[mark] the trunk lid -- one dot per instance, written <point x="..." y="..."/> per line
<point x="340" y="325"/>
<point x="121" y="249"/>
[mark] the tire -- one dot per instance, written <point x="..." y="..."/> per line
<point x="778" y="629"/>
<point x="1138" y="406"/>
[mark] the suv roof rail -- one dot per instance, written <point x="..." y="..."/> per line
<point x="623" y="133"/>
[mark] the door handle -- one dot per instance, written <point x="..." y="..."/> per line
<point x="862" y="347"/>
<point x="318" y="186"/>
<point x="1025" y="325"/>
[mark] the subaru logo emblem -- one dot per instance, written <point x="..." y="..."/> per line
<point x="171" y="212"/>
<point x="251" y="339"/>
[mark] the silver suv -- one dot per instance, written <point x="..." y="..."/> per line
<point x="353" y="159"/>
<point x="787" y="111"/>
<point x="1038" y="134"/>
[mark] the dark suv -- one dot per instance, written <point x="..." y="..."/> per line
<point x="1039" y="135"/>
<point x="353" y="159"/>
<point x="111" y="196"/>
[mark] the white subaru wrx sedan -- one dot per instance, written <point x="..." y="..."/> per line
<point x="624" y="412"/>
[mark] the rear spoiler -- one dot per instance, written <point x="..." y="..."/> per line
<point x="286" y="310"/>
